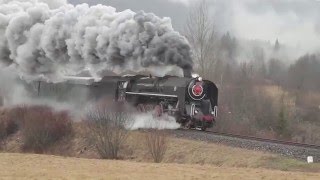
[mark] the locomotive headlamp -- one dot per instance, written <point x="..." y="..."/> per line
<point x="212" y="113"/>
<point x="196" y="111"/>
<point x="200" y="79"/>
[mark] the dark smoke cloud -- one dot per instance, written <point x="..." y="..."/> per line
<point x="50" y="39"/>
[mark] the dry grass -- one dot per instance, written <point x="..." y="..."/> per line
<point x="195" y="152"/>
<point x="276" y="93"/>
<point x="307" y="99"/>
<point x="311" y="100"/>
<point x="18" y="166"/>
<point x="179" y="151"/>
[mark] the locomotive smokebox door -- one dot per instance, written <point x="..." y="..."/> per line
<point x="122" y="89"/>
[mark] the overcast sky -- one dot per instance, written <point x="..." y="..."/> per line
<point x="164" y="8"/>
<point x="294" y="22"/>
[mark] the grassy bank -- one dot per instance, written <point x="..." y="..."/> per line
<point x="26" y="166"/>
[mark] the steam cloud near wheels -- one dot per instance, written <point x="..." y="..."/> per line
<point x="54" y="39"/>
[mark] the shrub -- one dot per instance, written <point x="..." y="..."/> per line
<point x="17" y="114"/>
<point x="3" y="133"/>
<point x="107" y="129"/>
<point x="7" y="124"/>
<point x="157" y="142"/>
<point x="42" y="127"/>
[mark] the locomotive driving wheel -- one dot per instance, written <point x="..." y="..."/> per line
<point x="157" y="110"/>
<point x="189" y="124"/>
<point x="203" y="128"/>
<point x="141" y="108"/>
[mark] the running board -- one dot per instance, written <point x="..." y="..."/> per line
<point x="151" y="94"/>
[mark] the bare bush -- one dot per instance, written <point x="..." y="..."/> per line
<point x="17" y="114"/>
<point x="107" y="129"/>
<point x="43" y="127"/>
<point x="3" y="133"/>
<point x="157" y="143"/>
<point x="7" y="124"/>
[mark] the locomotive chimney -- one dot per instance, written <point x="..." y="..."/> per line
<point x="187" y="72"/>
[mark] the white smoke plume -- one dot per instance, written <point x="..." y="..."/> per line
<point x="53" y="39"/>
<point x="148" y="121"/>
<point x="13" y="92"/>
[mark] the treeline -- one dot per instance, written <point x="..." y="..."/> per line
<point x="264" y="88"/>
<point x="265" y="95"/>
<point x="262" y="64"/>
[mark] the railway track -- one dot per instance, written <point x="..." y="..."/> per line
<point x="290" y="149"/>
<point x="312" y="146"/>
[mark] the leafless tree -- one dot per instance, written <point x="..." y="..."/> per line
<point x="200" y="33"/>
<point x="157" y="143"/>
<point x="107" y="129"/>
<point x="1" y="101"/>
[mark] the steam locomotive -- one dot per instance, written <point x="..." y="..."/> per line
<point x="192" y="100"/>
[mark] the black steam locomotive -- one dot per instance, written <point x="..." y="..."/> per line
<point x="193" y="101"/>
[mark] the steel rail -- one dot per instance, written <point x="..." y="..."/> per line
<point x="252" y="138"/>
<point x="290" y="143"/>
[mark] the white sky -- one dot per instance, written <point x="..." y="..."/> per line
<point x="293" y="22"/>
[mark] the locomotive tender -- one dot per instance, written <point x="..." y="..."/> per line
<point x="193" y="101"/>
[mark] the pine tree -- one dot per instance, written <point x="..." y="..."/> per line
<point x="282" y="124"/>
<point x="277" y="46"/>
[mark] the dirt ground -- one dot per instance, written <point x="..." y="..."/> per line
<point x="27" y="166"/>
